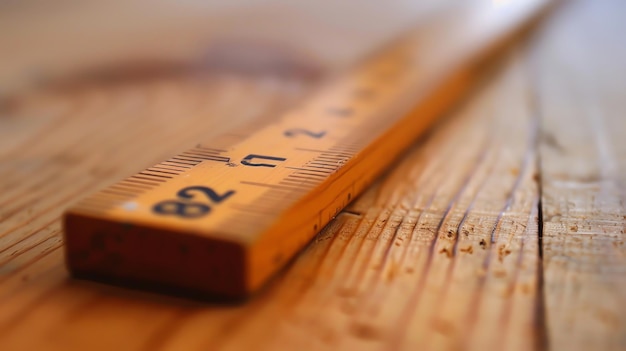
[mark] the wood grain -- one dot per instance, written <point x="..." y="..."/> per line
<point x="583" y="170"/>
<point x="441" y="253"/>
<point x="128" y="126"/>
<point x="446" y="240"/>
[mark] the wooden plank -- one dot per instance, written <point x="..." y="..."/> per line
<point x="580" y="64"/>
<point x="360" y="283"/>
<point x="441" y="253"/>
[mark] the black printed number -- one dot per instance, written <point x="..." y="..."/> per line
<point x="250" y="160"/>
<point x="187" y="193"/>
<point x="185" y="208"/>
<point x="182" y="209"/>
<point x="296" y="131"/>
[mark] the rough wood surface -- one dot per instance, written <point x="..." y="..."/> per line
<point x="411" y="263"/>
<point x="581" y="99"/>
<point x="442" y="253"/>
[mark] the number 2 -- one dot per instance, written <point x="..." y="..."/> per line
<point x="295" y="131"/>
<point x="210" y="193"/>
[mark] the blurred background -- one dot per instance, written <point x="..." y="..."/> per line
<point x="43" y="40"/>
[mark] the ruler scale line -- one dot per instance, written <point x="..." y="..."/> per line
<point x="187" y="165"/>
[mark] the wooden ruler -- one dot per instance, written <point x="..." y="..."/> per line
<point x="222" y="217"/>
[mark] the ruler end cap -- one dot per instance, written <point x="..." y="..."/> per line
<point x="140" y="256"/>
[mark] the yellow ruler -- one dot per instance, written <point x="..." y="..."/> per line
<point x="222" y="217"/>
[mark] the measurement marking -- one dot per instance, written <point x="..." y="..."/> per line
<point x="199" y="156"/>
<point x="201" y="152"/>
<point x="181" y="163"/>
<point x="202" y="157"/>
<point x="323" y="152"/>
<point x="149" y="172"/>
<point x="318" y="175"/>
<point x="208" y="157"/>
<point x="310" y="170"/>
<point x="329" y="163"/>
<point x="210" y="149"/>
<point x="155" y="175"/>
<point x="330" y="166"/>
<point x="160" y="170"/>
<point x="311" y="166"/>
<point x="329" y="153"/>
<point x="151" y="185"/>
<point x="219" y="159"/>
<point x="149" y="179"/>
<point x="333" y="160"/>
<point x="189" y="158"/>
<point x="179" y="169"/>
<point x="310" y="176"/>
<point x="175" y="172"/>
<point x="334" y="156"/>
<point x="194" y="161"/>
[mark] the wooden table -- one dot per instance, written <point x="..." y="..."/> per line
<point x="502" y="229"/>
